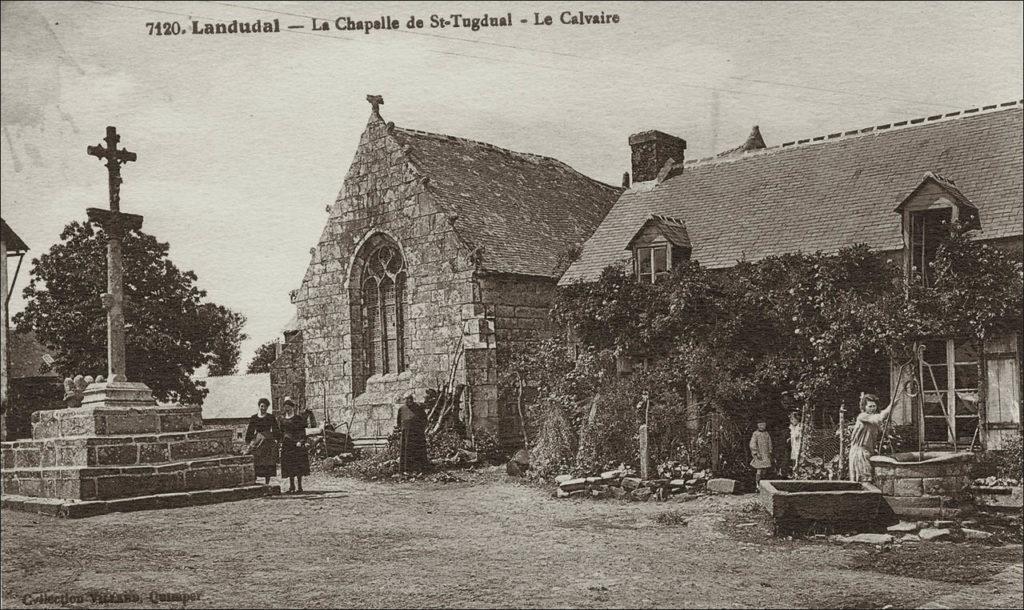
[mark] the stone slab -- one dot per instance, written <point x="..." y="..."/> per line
<point x="898" y="504"/>
<point x="72" y="509"/>
<point x="722" y="486"/>
<point x="972" y="534"/>
<point x="929" y="513"/>
<point x="867" y="539"/>
<point x="999" y="497"/>
<point x="931" y="533"/>
<point x="573" y="485"/>
<point x="105" y="420"/>
<point x="903" y="527"/>
<point x="630" y="483"/>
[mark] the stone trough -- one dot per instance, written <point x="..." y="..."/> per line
<point x="835" y="505"/>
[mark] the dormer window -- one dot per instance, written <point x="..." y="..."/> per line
<point x="661" y="243"/>
<point x="928" y="228"/>
<point x="927" y="214"/>
<point x="652" y="263"/>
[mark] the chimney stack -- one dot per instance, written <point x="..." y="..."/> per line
<point x="625" y="180"/>
<point x="651" y="150"/>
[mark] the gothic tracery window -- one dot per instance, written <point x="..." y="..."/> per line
<point x="383" y="310"/>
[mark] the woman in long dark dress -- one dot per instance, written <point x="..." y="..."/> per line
<point x="262" y="435"/>
<point x="412" y="421"/>
<point x="294" y="453"/>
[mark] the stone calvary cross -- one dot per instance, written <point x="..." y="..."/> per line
<point x="116" y="225"/>
<point x="141" y="454"/>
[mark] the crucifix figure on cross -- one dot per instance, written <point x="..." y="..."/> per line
<point x="116" y="225"/>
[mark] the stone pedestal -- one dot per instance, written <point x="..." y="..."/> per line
<point x="120" y="451"/>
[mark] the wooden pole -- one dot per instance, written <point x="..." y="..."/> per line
<point x="645" y="450"/>
<point x="803" y="438"/>
<point x="714" y="441"/>
<point x="519" y="407"/>
<point x="842" y="437"/>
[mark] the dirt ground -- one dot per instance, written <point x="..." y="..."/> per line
<point x="484" y="542"/>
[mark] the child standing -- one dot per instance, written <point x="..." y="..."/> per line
<point x="761" y="450"/>
<point x="795" y="436"/>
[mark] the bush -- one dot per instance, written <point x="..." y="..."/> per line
<point x="487" y="447"/>
<point x="554" y="449"/>
<point x="1003" y="463"/>
<point x="1011" y="459"/>
<point x="445" y="444"/>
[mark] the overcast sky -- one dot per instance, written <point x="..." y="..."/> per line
<point x="243" y="140"/>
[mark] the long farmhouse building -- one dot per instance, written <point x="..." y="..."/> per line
<point x="888" y="186"/>
<point x="441" y="254"/>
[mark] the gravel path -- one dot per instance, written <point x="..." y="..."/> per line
<point x="484" y="542"/>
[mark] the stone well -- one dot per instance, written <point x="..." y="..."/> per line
<point x="916" y="487"/>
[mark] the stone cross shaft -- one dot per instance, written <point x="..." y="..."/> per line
<point x="116" y="225"/>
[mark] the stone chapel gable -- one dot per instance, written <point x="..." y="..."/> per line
<point x="431" y="244"/>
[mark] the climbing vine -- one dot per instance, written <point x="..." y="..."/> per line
<point x="760" y="338"/>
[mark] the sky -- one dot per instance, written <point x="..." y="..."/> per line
<point x="243" y="140"/>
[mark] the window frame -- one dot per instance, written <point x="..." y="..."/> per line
<point x="935" y="204"/>
<point x="382" y="340"/>
<point x="945" y="389"/>
<point x="653" y="247"/>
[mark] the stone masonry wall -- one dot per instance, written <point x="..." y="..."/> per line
<point x="518" y="307"/>
<point x="384" y="193"/>
<point x="288" y="373"/>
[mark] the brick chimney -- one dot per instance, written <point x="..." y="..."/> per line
<point x="651" y="149"/>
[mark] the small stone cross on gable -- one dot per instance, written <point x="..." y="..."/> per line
<point x="375" y="101"/>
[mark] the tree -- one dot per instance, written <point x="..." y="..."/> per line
<point x="170" y="331"/>
<point x="265" y="356"/>
<point x="226" y="347"/>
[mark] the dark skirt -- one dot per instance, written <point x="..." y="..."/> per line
<point x="264" y="457"/>
<point x="294" y="460"/>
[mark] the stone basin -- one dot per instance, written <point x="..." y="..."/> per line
<point x="835" y="505"/>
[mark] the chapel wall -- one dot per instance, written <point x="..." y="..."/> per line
<point x="518" y="310"/>
<point x="382" y="192"/>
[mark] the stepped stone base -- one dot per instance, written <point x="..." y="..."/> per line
<point x="73" y="509"/>
<point x="107" y="483"/>
<point x="116" y="449"/>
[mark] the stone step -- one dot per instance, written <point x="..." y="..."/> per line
<point x="106" y="483"/>
<point x="897" y="503"/>
<point x="73" y="509"/>
<point x="116" y="450"/>
<point x="103" y="420"/>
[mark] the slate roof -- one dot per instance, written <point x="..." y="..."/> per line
<point x="235" y="396"/>
<point x="525" y="211"/>
<point x="826" y="193"/>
